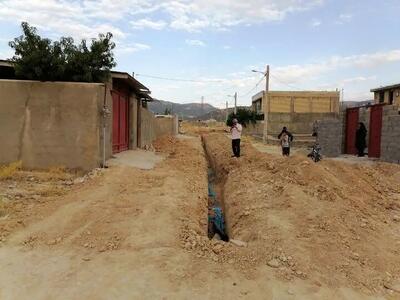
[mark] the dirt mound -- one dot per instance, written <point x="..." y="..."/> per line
<point x="334" y="223"/>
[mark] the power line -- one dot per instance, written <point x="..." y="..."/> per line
<point x="212" y="95"/>
<point x="179" y="79"/>
<point x="248" y="92"/>
<point x="285" y="83"/>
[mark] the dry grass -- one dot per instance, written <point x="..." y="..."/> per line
<point x="52" y="191"/>
<point x="61" y="170"/>
<point x="8" y="171"/>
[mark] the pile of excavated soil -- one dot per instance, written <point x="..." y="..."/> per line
<point x="24" y="193"/>
<point x="333" y="223"/>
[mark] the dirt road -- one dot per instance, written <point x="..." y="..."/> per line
<point x="127" y="233"/>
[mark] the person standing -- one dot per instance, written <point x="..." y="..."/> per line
<point x="285" y="138"/>
<point x="361" y="136"/>
<point x="236" y="132"/>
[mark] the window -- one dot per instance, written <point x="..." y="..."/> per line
<point x="381" y="97"/>
<point x="391" y="97"/>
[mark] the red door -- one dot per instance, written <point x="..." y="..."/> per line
<point x="120" y="122"/>
<point x="351" y="128"/>
<point x="375" y="131"/>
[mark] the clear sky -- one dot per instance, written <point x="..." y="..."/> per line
<point x="310" y="44"/>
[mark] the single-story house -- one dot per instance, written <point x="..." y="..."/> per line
<point x="74" y="124"/>
<point x="387" y="94"/>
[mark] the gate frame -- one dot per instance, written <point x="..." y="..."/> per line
<point x="351" y="138"/>
<point x="375" y="151"/>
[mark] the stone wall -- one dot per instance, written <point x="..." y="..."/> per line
<point x="330" y="132"/>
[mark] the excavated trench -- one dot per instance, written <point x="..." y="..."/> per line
<point x="217" y="225"/>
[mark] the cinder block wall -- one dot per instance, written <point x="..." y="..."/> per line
<point x="254" y="129"/>
<point x="299" y="123"/>
<point x="330" y="132"/>
<point x="390" y="141"/>
<point x="47" y="124"/>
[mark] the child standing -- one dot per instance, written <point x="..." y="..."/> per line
<point x="286" y="138"/>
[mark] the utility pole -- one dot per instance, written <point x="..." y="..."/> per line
<point x="266" y="105"/>
<point x="202" y="105"/>
<point x="226" y="112"/>
<point x="235" y="110"/>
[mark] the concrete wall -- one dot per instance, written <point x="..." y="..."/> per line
<point x="133" y="121"/>
<point x="106" y="125"/>
<point x="330" y="136"/>
<point x="147" y="128"/>
<point x="390" y="142"/>
<point x="166" y="126"/>
<point x="151" y="127"/>
<point x="47" y="124"/>
<point x="300" y="123"/>
<point x="254" y="129"/>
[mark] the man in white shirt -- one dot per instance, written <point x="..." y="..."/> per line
<point x="236" y="132"/>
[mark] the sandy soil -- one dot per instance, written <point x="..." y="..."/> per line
<point x="127" y="233"/>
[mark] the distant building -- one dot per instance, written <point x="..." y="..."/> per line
<point x="296" y="110"/>
<point x="387" y="94"/>
<point x="257" y="103"/>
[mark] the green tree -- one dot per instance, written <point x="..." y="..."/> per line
<point x="38" y="58"/>
<point x="244" y="116"/>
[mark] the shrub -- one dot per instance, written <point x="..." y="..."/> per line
<point x="244" y="116"/>
<point x="8" y="171"/>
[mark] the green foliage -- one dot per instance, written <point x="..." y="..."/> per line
<point x="38" y="58"/>
<point x="167" y="111"/>
<point x="244" y="116"/>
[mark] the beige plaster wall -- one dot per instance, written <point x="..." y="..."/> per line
<point x="46" y="124"/>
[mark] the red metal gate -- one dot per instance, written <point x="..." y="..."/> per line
<point x="120" y="122"/>
<point x="351" y="128"/>
<point x="375" y="131"/>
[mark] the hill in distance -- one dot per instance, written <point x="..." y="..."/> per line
<point x="185" y="111"/>
<point x="348" y="104"/>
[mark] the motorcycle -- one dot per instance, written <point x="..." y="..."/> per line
<point x="315" y="153"/>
